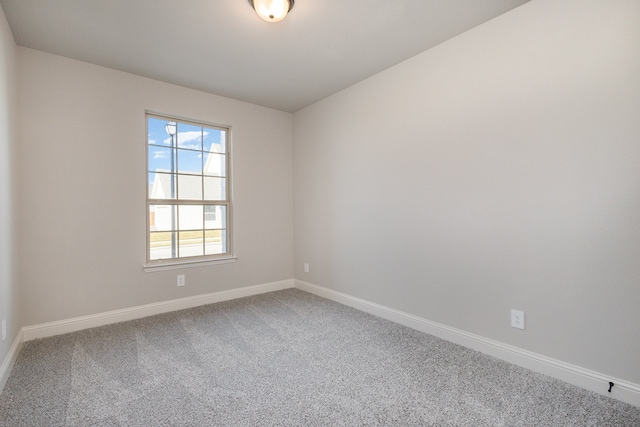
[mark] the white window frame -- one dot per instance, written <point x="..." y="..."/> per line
<point x="198" y="260"/>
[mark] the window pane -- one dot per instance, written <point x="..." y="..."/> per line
<point x="189" y="187"/>
<point x="190" y="162"/>
<point x="162" y="218"/>
<point x="215" y="217"/>
<point x="157" y="132"/>
<point x="210" y="215"/>
<point x="215" y="242"/>
<point x="214" y="140"/>
<point x="190" y="217"/>
<point x="186" y="164"/>
<point x="215" y="188"/>
<point x="150" y="182"/>
<point x="160" y="185"/>
<point x="160" y="245"/>
<point x="159" y="159"/>
<point x="190" y="243"/>
<point x="215" y="164"/>
<point x="189" y="136"/>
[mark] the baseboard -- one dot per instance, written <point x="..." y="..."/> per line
<point x="12" y="356"/>
<point x="123" y="315"/>
<point x="590" y="380"/>
<point x="594" y="381"/>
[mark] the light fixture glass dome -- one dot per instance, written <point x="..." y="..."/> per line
<point x="272" y="10"/>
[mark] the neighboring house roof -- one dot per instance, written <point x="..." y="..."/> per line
<point x="189" y="186"/>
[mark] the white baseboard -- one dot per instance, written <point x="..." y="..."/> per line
<point x="10" y="359"/>
<point x="594" y="381"/>
<point x="125" y="314"/>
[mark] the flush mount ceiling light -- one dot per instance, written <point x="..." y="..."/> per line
<point x="272" y="10"/>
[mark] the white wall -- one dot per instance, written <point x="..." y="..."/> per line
<point x="83" y="182"/>
<point x="499" y="170"/>
<point x="9" y="299"/>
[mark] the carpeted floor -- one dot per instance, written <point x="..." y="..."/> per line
<point x="286" y="358"/>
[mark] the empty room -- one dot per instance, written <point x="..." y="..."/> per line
<point x="320" y="212"/>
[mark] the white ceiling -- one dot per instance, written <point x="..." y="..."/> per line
<point x="222" y="47"/>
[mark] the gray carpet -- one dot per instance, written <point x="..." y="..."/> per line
<point x="286" y="358"/>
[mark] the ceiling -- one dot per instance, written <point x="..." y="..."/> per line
<point x="222" y="47"/>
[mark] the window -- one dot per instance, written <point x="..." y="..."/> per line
<point x="188" y="200"/>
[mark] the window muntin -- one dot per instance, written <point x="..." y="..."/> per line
<point x="188" y="204"/>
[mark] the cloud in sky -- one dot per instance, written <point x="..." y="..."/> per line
<point x="190" y="139"/>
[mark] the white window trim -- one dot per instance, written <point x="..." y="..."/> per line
<point x="175" y="265"/>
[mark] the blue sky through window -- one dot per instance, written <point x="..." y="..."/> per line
<point x="193" y="143"/>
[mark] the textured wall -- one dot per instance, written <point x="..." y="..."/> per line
<point x="83" y="182"/>
<point x="498" y="170"/>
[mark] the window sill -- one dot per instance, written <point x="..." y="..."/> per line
<point x="175" y="265"/>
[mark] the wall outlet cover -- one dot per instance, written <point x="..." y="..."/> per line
<point x="517" y="319"/>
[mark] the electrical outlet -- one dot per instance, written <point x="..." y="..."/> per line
<point x="517" y="319"/>
<point x="181" y="280"/>
<point x="4" y="329"/>
<point x="306" y="267"/>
